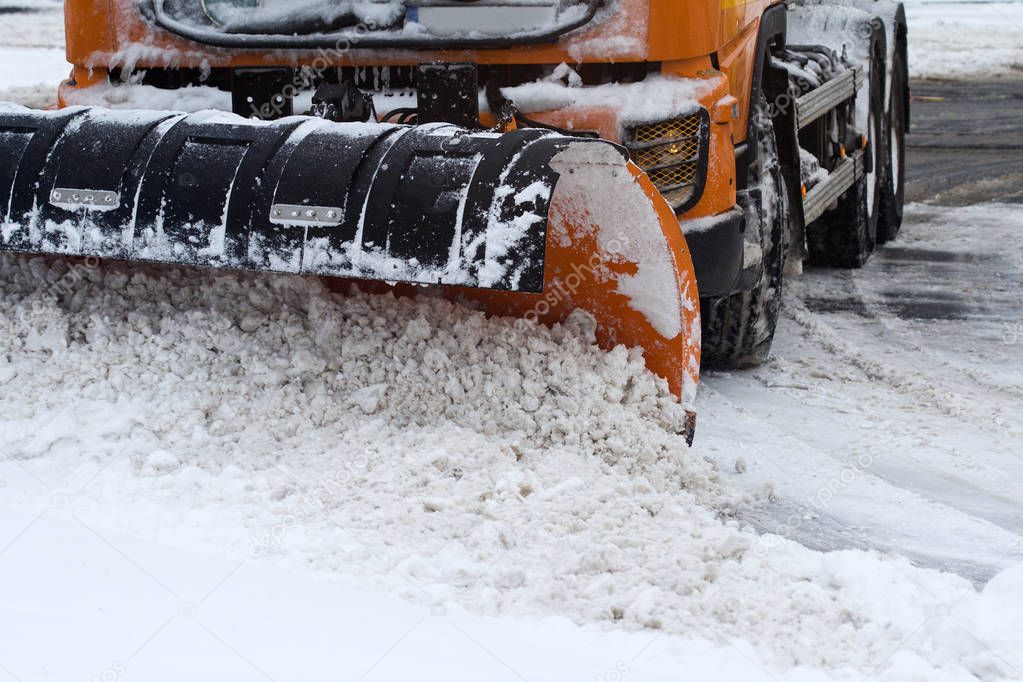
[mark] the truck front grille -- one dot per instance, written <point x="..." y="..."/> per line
<point x="675" y="129"/>
<point x="674" y="176"/>
<point x="664" y="154"/>
<point x="674" y="155"/>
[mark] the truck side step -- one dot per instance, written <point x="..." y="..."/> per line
<point x="828" y="191"/>
<point x="816" y="103"/>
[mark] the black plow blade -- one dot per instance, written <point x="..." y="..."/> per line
<point x="430" y="204"/>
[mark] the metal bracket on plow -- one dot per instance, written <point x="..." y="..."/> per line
<point x="89" y="199"/>
<point x="290" y="214"/>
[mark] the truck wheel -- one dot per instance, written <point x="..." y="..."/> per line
<point x="893" y="193"/>
<point x="845" y="236"/>
<point x="738" y="329"/>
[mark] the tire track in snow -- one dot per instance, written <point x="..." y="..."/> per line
<point x="931" y="481"/>
<point x="838" y="496"/>
<point x="936" y="395"/>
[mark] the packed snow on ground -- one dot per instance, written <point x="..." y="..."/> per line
<point x="32" y="60"/>
<point x="32" y="23"/>
<point x="911" y="369"/>
<point x="23" y="69"/>
<point x="964" y="39"/>
<point x="202" y="471"/>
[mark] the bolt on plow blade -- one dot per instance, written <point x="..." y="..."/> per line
<point x="527" y="223"/>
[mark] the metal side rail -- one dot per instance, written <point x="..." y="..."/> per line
<point x="816" y="103"/>
<point x="828" y="191"/>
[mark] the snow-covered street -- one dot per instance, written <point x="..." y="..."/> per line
<point x="32" y="51"/>
<point x="172" y="434"/>
<point x="892" y="407"/>
<point x="986" y="38"/>
<point x="222" y="476"/>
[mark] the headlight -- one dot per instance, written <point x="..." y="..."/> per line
<point x="674" y="155"/>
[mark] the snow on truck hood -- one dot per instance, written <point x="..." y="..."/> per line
<point x="429" y="16"/>
<point x="652" y="99"/>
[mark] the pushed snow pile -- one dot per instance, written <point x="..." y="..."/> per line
<point x="237" y="360"/>
<point x="418" y="447"/>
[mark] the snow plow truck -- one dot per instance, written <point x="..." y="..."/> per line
<point x="659" y="164"/>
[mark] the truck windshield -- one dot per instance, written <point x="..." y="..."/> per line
<point x="416" y="24"/>
<point x="432" y="17"/>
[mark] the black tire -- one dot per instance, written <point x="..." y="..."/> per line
<point x="846" y="236"/>
<point x="841" y="237"/>
<point x="894" y="189"/>
<point x="738" y="329"/>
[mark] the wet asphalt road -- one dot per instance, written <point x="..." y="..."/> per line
<point x="966" y="142"/>
<point x="965" y="147"/>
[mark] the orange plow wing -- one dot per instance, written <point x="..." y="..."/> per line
<point x="615" y="250"/>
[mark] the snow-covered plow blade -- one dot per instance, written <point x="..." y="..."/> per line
<point x="527" y="222"/>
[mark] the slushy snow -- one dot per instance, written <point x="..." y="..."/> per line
<point x="419" y="448"/>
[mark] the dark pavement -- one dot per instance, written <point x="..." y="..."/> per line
<point x="966" y="141"/>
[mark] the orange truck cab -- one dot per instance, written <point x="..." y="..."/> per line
<point x="670" y="80"/>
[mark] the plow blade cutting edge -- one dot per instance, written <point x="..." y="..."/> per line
<point x="526" y="223"/>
